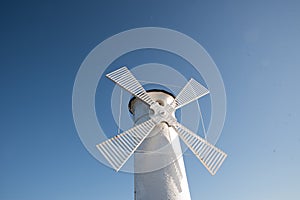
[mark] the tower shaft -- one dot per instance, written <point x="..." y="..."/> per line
<point x="158" y="162"/>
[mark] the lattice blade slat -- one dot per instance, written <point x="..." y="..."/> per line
<point x="125" y="79"/>
<point x="118" y="149"/>
<point x="190" y="92"/>
<point x="210" y="156"/>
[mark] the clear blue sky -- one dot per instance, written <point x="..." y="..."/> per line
<point x="255" y="44"/>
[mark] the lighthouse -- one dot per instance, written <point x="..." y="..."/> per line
<point x="158" y="163"/>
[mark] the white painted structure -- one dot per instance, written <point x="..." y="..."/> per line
<point x="159" y="168"/>
<point x="154" y="140"/>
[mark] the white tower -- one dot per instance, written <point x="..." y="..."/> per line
<point x="159" y="166"/>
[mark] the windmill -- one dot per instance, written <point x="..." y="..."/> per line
<point x="156" y="127"/>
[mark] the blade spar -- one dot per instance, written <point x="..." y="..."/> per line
<point x="190" y="92"/>
<point x="209" y="155"/>
<point x="118" y="149"/>
<point x="125" y="79"/>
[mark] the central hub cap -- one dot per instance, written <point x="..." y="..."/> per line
<point x="162" y="113"/>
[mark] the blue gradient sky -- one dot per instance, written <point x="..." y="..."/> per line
<point x="255" y="44"/>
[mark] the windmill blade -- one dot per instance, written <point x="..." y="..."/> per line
<point x="210" y="156"/>
<point x="125" y="79"/>
<point x="118" y="149"/>
<point x="190" y="92"/>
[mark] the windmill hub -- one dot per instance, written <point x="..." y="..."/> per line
<point x="159" y="113"/>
